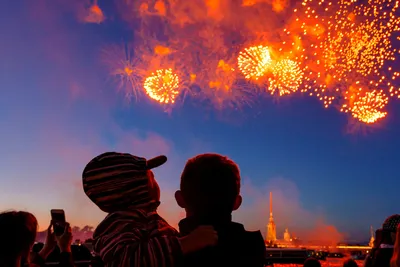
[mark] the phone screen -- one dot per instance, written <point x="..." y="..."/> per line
<point x="58" y="219"/>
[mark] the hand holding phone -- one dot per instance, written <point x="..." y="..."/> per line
<point x="58" y="221"/>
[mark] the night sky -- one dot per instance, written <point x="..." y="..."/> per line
<point x="59" y="108"/>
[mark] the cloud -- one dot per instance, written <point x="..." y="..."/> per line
<point x="76" y="91"/>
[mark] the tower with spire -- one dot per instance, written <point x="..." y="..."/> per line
<point x="372" y="240"/>
<point x="271" y="228"/>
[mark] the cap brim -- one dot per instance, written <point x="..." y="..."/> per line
<point x="156" y="162"/>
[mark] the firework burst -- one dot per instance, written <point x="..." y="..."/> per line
<point x="163" y="85"/>
<point x="286" y="78"/>
<point x="347" y="41"/>
<point x="125" y="68"/>
<point x="254" y="62"/>
<point x="330" y="46"/>
<point x="365" y="106"/>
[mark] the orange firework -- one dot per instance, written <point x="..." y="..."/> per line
<point x="254" y="62"/>
<point x="223" y="79"/>
<point x="219" y="86"/>
<point x="162" y="50"/>
<point x="221" y="82"/>
<point x="286" y="77"/>
<point x="94" y="14"/>
<point x="346" y="41"/>
<point x="163" y="86"/>
<point x="125" y="67"/>
<point x="366" y="106"/>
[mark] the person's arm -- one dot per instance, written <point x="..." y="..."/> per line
<point x="40" y="257"/>
<point x="37" y="260"/>
<point x="64" y="243"/>
<point x="134" y="249"/>
<point x="49" y="245"/>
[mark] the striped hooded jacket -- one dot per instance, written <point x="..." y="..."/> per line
<point x="137" y="238"/>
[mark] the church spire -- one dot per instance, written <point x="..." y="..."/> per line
<point x="270" y="204"/>
<point x="372" y="240"/>
<point x="271" y="229"/>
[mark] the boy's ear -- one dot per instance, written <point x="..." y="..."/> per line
<point x="238" y="202"/>
<point x="179" y="199"/>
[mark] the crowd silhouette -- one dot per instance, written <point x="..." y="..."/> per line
<point x="133" y="234"/>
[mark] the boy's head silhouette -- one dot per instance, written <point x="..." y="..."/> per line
<point x="311" y="262"/>
<point x="210" y="186"/>
<point x="121" y="181"/>
<point x="350" y="263"/>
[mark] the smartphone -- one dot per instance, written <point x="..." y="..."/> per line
<point x="58" y="219"/>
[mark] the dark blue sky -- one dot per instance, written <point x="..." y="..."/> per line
<point x="58" y="108"/>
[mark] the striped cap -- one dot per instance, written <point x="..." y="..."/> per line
<point x="118" y="181"/>
<point x="391" y="223"/>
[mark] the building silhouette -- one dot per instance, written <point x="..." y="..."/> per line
<point x="271" y="227"/>
<point x="286" y="236"/>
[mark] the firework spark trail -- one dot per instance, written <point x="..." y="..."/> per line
<point x="348" y="42"/>
<point x="125" y="67"/>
